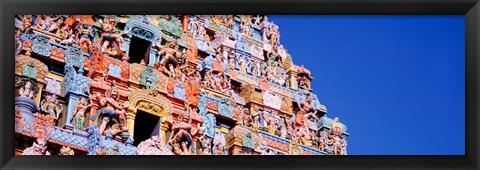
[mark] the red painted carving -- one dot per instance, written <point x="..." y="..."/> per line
<point x="40" y="128"/>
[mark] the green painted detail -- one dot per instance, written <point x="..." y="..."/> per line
<point x="29" y="70"/>
<point x="148" y="78"/>
<point x="174" y="26"/>
<point x="247" y="141"/>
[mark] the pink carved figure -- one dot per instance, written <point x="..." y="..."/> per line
<point x="182" y="133"/>
<point x="110" y="35"/>
<point x="111" y="109"/>
<point x="152" y="146"/>
<point x="39" y="147"/>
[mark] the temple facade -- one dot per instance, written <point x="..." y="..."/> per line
<point x="164" y="85"/>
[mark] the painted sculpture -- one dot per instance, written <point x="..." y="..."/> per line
<point x="78" y="117"/>
<point x="170" y="58"/>
<point x="112" y="111"/>
<point x="51" y="106"/>
<point x="206" y="85"/>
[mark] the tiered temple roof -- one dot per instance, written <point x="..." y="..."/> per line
<point x="160" y="85"/>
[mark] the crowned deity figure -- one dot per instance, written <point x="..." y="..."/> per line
<point x="337" y="147"/>
<point x="111" y="109"/>
<point x="78" y="116"/>
<point x="323" y="140"/>
<point x="307" y="110"/>
<point x="171" y="58"/>
<point x="39" y="147"/>
<point x="182" y="134"/>
<point x="51" y="106"/>
<point x="110" y="35"/>
<point x="272" y="122"/>
<point x="27" y="88"/>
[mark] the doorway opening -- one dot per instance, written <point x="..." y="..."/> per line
<point x="146" y="126"/>
<point x="139" y="50"/>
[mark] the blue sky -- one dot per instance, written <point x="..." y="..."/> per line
<point x="397" y="82"/>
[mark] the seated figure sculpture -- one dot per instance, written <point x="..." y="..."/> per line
<point x="307" y="110"/>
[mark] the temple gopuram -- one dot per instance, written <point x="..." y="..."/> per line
<point x="164" y="85"/>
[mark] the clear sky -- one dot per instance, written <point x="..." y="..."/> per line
<point x="397" y="82"/>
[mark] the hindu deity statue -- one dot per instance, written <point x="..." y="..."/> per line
<point x="193" y="26"/>
<point x="27" y="21"/>
<point x="27" y="88"/>
<point x="217" y="82"/>
<point x="51" y="106"/>
<point x="283" y="131"/>
<point x="64" y="31"/>
<point x="337" y="147"/>
<point x="302" y="133"/>
<point x="323" y="140"/>
<point x="273" y="35"/>
<point x="182" y="134"/>
<point x="263" y="148"/>
<point x="85" y="36"/>
<point x="206" y="145"/>
<point x="111" y="110"/>
<point x="272" y="122"/>
<point x="242" y="62"/>
<point x="66" y="151"/>
<point x="78" y="116"/>
<point x="110" y="37"/>
<point x="201" y="34"/>
<point x="344" y="146"/>
<point x="48" y="23"/>
<point x="307" y="110"/>
<point x="219" y="144"/>
<point x="39" y="147"/>
<point x="217" y="19"/>
<point x="153" y="146"/>
<point x="229" y="22"/>
<point x="246" y="24"/>
<point x="171" y="58"/>
<point x="336" y="127"/>
<point x="302" y="79"/>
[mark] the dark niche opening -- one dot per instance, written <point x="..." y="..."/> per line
<point x="146" y="126"/>
<point x="139" y="50"/>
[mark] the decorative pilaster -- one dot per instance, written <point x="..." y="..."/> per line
<point x="131" y="120"/>
<point x="71" y="100"/>
<point x="163" y="132"/>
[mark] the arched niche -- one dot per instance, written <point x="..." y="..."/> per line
<point x="141" y="40"/>
<point x="144" y="109"/>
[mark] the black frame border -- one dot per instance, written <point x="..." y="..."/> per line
<point x="469" y="8"/>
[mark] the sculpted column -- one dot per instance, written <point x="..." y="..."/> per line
<point x="131" y="120"/>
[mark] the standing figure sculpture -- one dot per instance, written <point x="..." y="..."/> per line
<point x="323" y="140"/>
<point x="51" y="106"/>
<point x="85" y="37"/>
<point x="337" y="147"/>
<point x="273" y="35"/>
<point x="171" y="58"/>
<point x="271" y="122"/>
<point x="111" y="109"/>
<point x="182" y="133"/>
<point x="78" y="116"/>
<point x="110" y="36"/>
